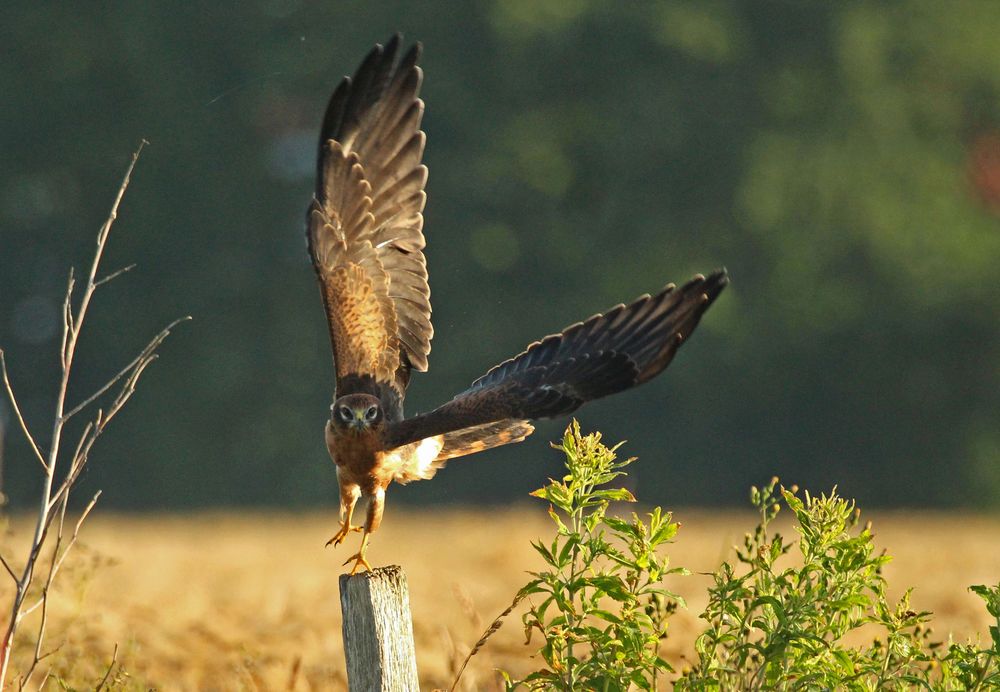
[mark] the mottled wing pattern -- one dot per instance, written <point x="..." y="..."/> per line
<point x="354" y="285"/>
<point x="368" y="212"/>
<point x="421" y="460"/>
<point x="607" y="353"/>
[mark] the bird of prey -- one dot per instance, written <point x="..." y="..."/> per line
<point x="365" y="237"/>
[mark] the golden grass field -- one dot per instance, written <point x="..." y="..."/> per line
<point x="225" y="601"/>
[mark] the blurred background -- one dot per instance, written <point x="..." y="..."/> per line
<point x="841" y="159"/>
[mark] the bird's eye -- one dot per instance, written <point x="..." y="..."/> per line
<point x="371" y="413"/>
<point x="345" y="413"/>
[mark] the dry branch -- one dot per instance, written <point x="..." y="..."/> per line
<point x="17" y="410"/>
<point x="54" y="500"/>
<point x="107" y="673"/>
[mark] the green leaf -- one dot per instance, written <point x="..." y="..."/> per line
<point x="614" y="494"/>
<point x="612" y="585"/>
<point x="991" y="595"/>
<point x="606" y="615"/>
<point x="621" y="527"/>
<point x="663" y="533"/>
<point x="544" y="552"/>
<point x="566" y="554"/>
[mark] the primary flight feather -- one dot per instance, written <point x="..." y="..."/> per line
<point x="365" y="237"/>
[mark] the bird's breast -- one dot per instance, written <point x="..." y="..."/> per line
<point x="353" y="452"/>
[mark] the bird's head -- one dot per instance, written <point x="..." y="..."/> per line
<point x="356" y="413"/>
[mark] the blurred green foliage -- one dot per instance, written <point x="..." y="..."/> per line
<point x="842" y="159"/>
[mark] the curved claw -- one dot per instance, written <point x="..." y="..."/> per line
<point x="342" y="533"/>
<point x="359" y="561"/>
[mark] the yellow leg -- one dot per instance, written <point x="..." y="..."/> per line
<point x="345" y="529"/>
<point x="375" y="507"/>
<point x="359" y="557"/>
<point x="348" y="498"/>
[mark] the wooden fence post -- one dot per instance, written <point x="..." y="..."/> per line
<point x="378" y="631"/>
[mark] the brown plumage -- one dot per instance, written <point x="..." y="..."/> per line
<point x="365" y="237"/>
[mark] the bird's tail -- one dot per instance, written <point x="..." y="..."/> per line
<point x="459" y="443"/>
<point x="421" y="460"/>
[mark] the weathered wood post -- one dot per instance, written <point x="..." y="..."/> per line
<point x="378" y="631"/>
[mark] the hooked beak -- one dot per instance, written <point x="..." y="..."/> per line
<point x="358" y="422"/>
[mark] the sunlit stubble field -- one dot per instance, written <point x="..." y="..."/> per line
<point x="213" y="601"/>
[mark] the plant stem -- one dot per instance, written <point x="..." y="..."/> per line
<point x="574" y="573"/>
<point x="72" y="325"/>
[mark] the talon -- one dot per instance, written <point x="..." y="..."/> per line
<point x="342" y="533"/>
<point x="359" y="561"/>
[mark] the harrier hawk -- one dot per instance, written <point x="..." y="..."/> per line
<point x="365" y="238"/>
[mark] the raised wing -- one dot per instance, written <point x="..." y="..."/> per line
<point x="365" y="222"/>
<point x="608" y="353"/>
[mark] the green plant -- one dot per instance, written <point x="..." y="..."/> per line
<point x="603" y="609"/>
<point x="776" y="623"/>
<point x="966" y="666"/>
<point x="781" y="616"/>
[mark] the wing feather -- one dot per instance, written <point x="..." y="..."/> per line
<point x="605" y="354"/>
<point x="367" y="213"/>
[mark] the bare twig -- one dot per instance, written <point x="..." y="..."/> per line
<point x="145" y="355"/>
<point x="67" y="315"/>
<point x="114" y="275"/>
<point x="80" y="453"/>
<point x="8" y="568"/>
<point x="38" y="656"/>
<point x="107" y="673"/>
<point x="28" y="610"/>
<point x="54" y="500"/>
<point x="76" y="533"/>
<point x="17" y="411"/>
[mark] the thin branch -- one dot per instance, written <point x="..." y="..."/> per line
<point x="87" y="440"/>
<point x="72" y="325"/>
<point x="67" y="316"/>
<point x="84" y="436"/>
<point x="107" y="673"/>
<point x="43" y="621"/>
<point x="17" y="413"/>
<point x="76" y="466"/>
<point x="102" y="235"/>
<point x="128" y="389"/>
<point x="76" y="530"/>
<point x="113" y="275"/>
<point x="38" y="658"/>
<point x="144" y="354"/>
<point x="58" y="557"/>
<point x="41" y="686"/>
<point x="8" y="568"/>
<point x="46" y="589"/>
<point x="49" y="653"/>
<point x="84" y="514"/>
<point x="79" y="458"/>
<point x="25" y="612"/>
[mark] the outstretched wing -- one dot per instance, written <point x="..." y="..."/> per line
<point x="608" y="353"/>
<point x="365" y="223"/>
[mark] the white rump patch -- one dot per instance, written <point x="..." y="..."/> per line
<point x="414" y="461"/>
<point x="426" y="452"/>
